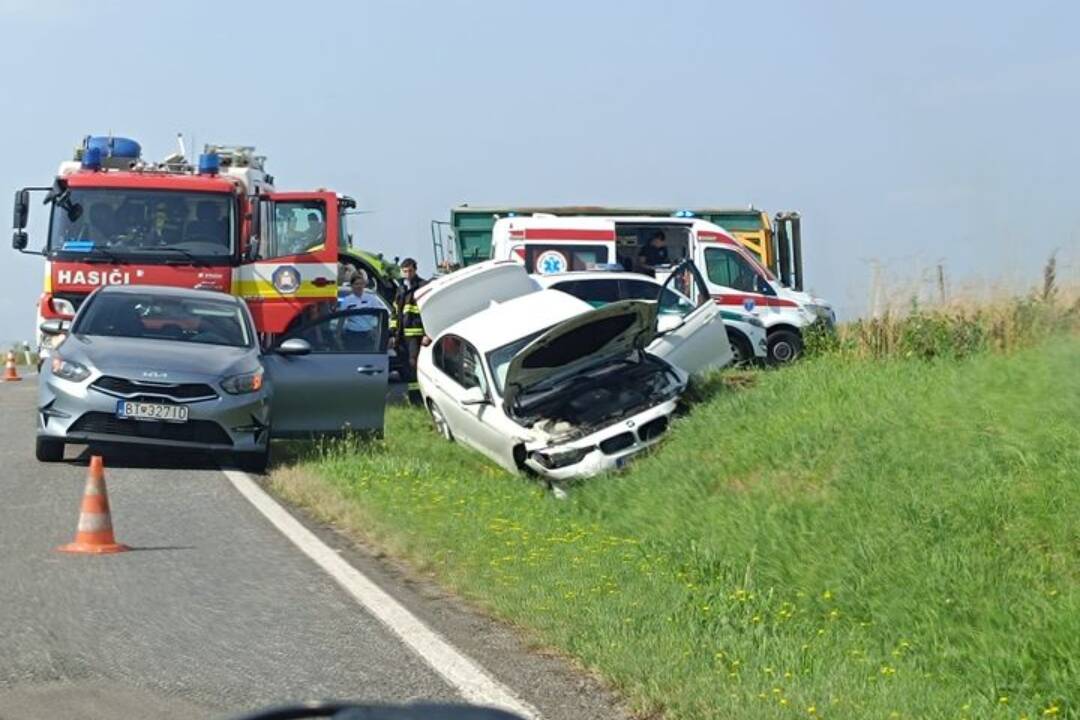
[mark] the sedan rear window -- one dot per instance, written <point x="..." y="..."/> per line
<point x="163" y="317"/>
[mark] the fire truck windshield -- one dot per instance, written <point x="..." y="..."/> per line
<point x="143" y="225"/>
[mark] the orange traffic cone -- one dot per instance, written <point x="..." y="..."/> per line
<point x="95" y="533"/>
<point x="10" y="373"/>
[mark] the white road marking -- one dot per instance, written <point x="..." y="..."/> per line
<point x="466" y="676"/>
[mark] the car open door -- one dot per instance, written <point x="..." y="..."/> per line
<point x="691" y="331"/>
<point x="338" y="382"/>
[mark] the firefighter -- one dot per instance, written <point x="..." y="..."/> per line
<point x="407" y="329"/>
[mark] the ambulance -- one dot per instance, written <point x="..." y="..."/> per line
<point x="736" y="280"/>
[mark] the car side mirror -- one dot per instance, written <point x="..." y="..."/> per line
<point x="474" y="396"/>
<point x="762" y="286"/>
<point x="293" y="347"/>
<point x="52" y="326"/>
<point x="667" y="322"/>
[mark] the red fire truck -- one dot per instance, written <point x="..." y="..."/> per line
<point x="219" y="224"/>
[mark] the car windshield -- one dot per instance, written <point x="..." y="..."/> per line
<point x="155" y="225"/>
<point x="162" y="317"/>
<point x="499" y="358"/>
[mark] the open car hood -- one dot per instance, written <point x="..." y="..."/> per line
<point x="606" y="333"/>
<point x="454" y="297"/>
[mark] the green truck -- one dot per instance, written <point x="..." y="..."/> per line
<point x="777" y="241"/>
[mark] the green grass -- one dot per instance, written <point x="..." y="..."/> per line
<point x="842" y="539"/>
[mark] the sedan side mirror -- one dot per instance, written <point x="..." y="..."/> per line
<point x="474" y="396"/>
<point x="293" y="347"/>
<point x="52" y="326"/>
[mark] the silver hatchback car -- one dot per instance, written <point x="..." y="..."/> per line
<point x="159" y="366"/>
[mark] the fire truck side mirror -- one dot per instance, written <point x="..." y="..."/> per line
<point x="19" y="240"/>
<point x="22" y="209"/>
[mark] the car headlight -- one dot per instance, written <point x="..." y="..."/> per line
<point x="241" y="384"/>
<point x="561" y="458"/>
<point x="68" y="370"/>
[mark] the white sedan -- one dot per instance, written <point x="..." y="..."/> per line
<point x="538" y="379"/>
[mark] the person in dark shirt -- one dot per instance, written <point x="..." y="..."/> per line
<point x="654" y="254"/>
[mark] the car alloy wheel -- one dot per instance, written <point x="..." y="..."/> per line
<point x="441" y="426"/>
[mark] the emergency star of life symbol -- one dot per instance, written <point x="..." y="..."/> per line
<point x="286" y="279"/>
<point x="551" y="261"/>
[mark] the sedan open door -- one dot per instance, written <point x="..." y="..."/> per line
<point x="691" y="330"/>
<point x="330" y="375"/>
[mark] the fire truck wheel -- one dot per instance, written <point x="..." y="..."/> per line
<point x="784" y="346"/>
<point x="48" y="450"/>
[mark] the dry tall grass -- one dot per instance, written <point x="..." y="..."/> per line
<point x="959" y="327"/>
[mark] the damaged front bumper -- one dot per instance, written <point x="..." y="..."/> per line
<point x="607" y="449"/>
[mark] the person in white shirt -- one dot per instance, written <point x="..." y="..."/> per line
<point x="361" y="331"/>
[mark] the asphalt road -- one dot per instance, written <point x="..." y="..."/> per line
<point x="214" y="613"/>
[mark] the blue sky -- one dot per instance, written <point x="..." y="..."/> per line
<point x="907" y="135"/>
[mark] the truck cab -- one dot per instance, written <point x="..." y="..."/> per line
<point x="733" y="276"/>
<point x="116" y="219"/>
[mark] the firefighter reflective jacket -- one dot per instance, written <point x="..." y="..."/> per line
<point x="406" y="321"/>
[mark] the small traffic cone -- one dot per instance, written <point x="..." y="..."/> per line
<point x="10" y="373"/>
<point x="95" y="533"/>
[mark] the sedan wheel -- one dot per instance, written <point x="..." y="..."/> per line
<point x="255" y="462"/>
<point x="48" y="450"/>
<point x="441" y="426"/>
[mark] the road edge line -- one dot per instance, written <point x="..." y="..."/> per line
<point x="462" y="673"/>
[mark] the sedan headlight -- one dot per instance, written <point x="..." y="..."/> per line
<point x="241" y="384"/>
<point x="68" y="370"/>
<point x="561" y="458"/>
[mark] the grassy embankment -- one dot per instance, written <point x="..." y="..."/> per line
<point x="845" y="538"/>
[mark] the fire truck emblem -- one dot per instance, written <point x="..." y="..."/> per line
<point x="550" y="261"/>
<point x="286" y="279"/>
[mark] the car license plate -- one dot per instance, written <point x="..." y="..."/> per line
<point x="134" y="410"/>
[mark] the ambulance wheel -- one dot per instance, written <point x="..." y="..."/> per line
<point x="48" y="450"/>
<point x="441" y="426"/>
<point x="784" y="346"/>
